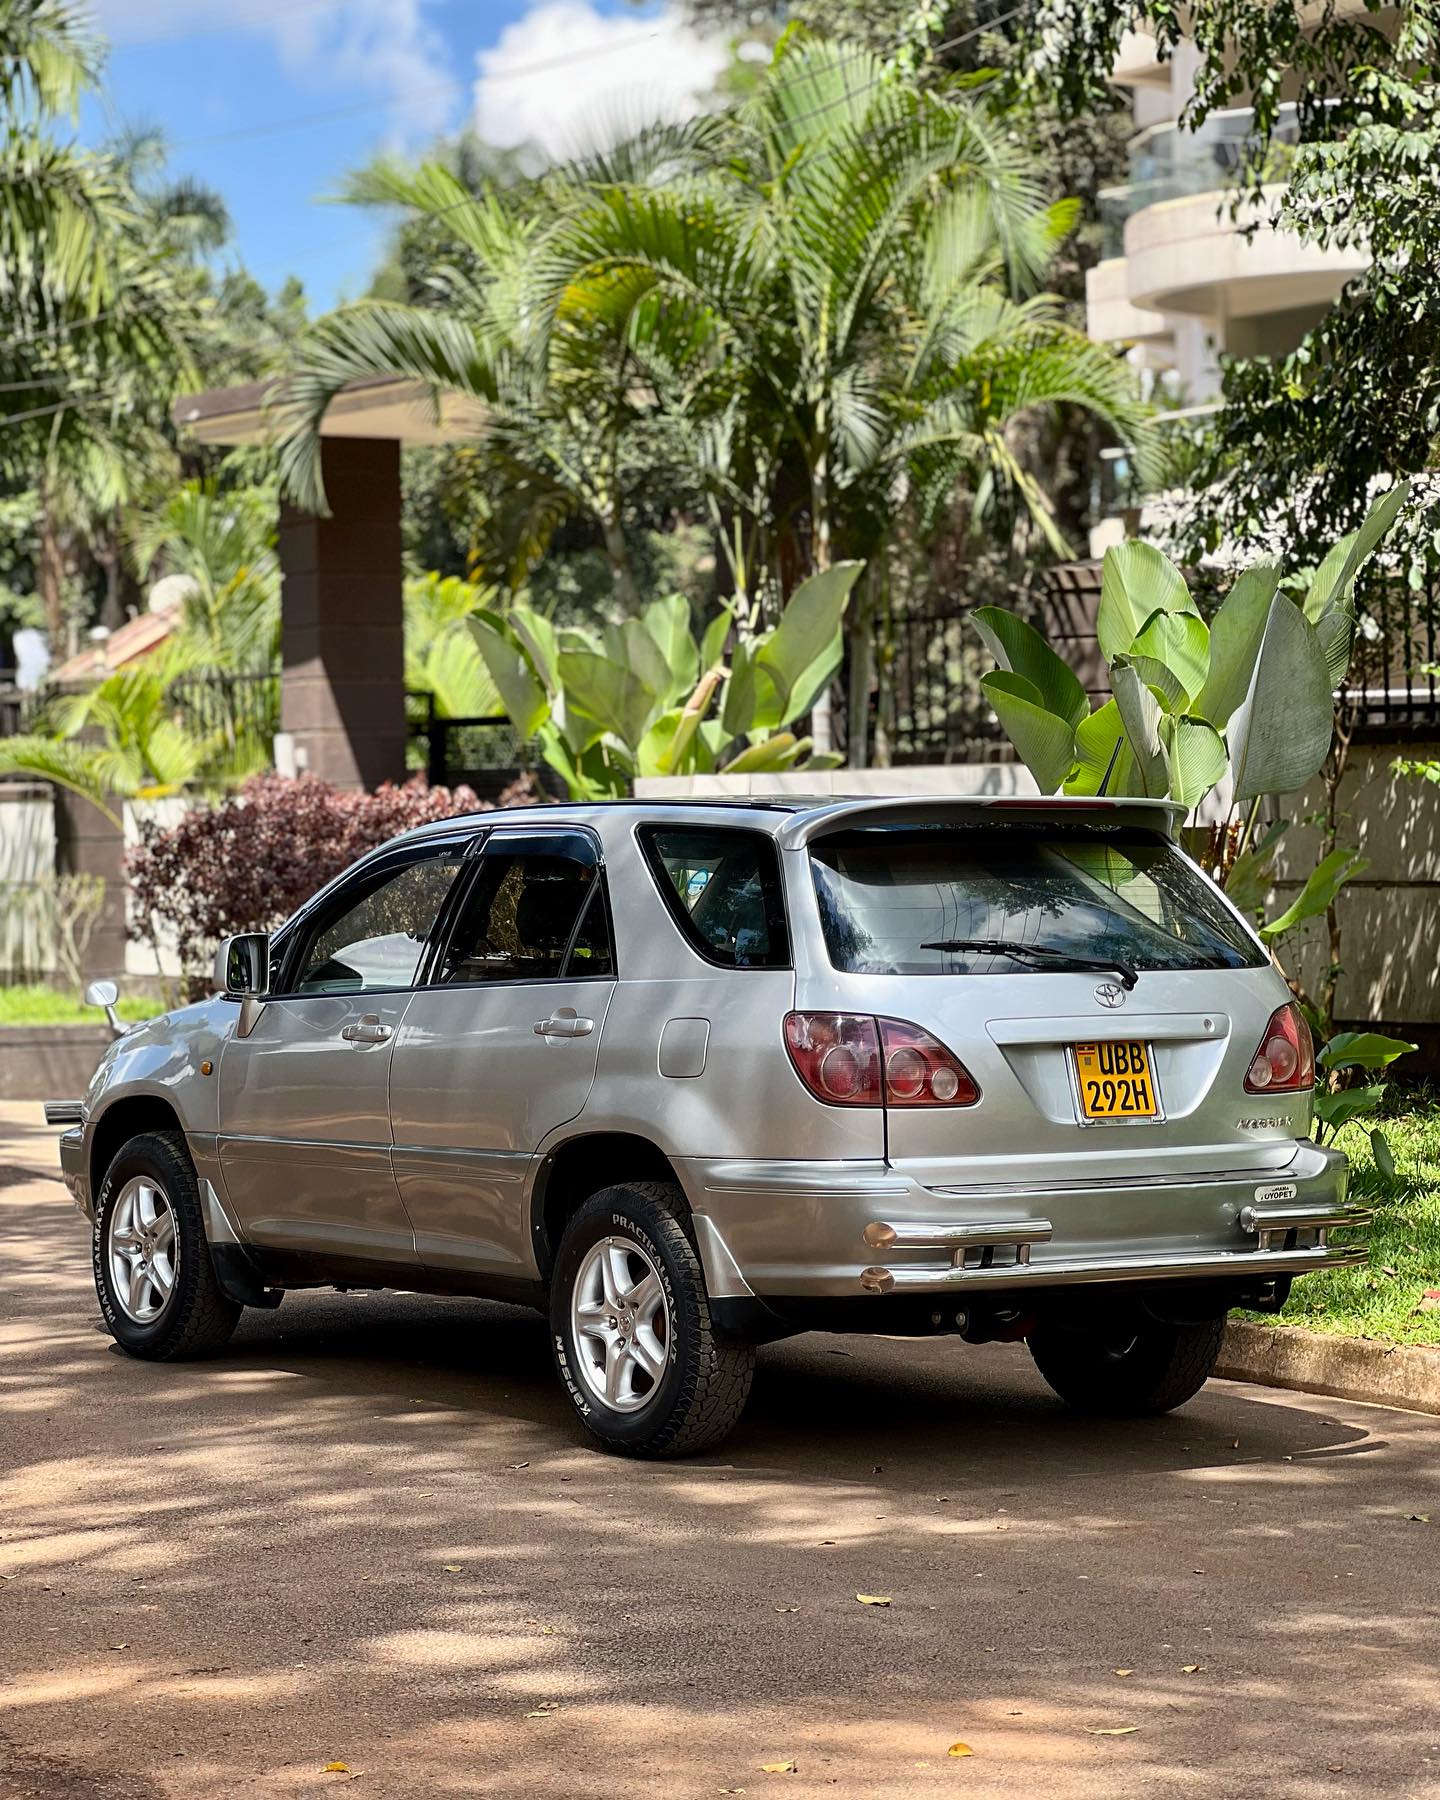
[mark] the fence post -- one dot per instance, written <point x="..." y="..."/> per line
<point x="435" y="745"/>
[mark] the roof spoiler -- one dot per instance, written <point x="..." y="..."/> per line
<point x="805" y="828"/>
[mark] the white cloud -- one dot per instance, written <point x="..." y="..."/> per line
<point x="568" y="77"/>
<point x="356" y="48"/>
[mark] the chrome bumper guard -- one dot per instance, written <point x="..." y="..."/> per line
<point x="1291" y="1241"/>
<point x="63" y="1112"/>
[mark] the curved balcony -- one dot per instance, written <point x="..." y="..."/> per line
<point x="1178" y="244"/>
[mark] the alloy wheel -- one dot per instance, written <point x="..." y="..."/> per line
<point x="143" y="1250"/>
<point x="621" y="1325"/>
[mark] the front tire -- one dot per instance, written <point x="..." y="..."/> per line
<point x="635" y="1346"/>
<point x="153" y="1273"/>
<point x="1140" y="1368"/>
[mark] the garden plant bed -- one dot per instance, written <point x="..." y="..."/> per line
<point x="1371" y="1333"/>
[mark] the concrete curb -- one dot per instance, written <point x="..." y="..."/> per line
<point x="1317" y="1362"/>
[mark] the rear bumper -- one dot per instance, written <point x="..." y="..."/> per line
<point x="835" y="1230"/>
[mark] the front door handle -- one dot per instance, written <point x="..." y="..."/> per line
<point x="367" y="1029"/>
<point x="564" y="1025"/>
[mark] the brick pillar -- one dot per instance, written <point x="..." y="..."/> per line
<point x="86" y="843"/>
<point x="342" y="637"/>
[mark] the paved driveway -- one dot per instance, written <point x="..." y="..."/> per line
<point x="369" y="1534"/>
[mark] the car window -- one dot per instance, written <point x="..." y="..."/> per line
<point x="924" y="900"/>
<point x="377" y="937"/>
<point x="723" y="889"/>
<point x="536" y="912"/>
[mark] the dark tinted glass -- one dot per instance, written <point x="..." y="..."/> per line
<point x="376" y="938"/>
<point x="886" y="893"/>
<point x="531" y="916"/>
<point x="723" y="887"/>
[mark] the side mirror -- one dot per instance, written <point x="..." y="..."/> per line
<point x="242" y="966"/>
<point x="106" y="993"/>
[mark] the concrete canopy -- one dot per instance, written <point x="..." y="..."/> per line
<point x="342" y="695"/>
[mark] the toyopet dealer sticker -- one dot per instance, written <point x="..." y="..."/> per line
<point x="1277" y="1191"/>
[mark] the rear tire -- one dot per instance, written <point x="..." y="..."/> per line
<point x="635" y="1346"/>
<point x="1128" y="1373"/>
<point x="153" y="1273"/>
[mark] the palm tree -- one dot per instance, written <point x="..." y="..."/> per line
<point x="817" y="313"/>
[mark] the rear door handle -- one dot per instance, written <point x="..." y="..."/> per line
<point x="564" y="1025"/>
<point x="366" y="1030"/>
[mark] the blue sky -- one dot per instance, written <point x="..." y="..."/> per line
<point x="272" y="101"/>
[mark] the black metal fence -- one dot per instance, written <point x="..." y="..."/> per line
<point x="229" y="708"/>
<point x="936" y="710"/>
<point x="1392" y="691"/>
<point x="483" y="753"/>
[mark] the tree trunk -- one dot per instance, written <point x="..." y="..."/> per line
<point x="617" y="553"/>
<point x="50" y="578"/>
<point x="822" y="716"/>
<point x="859" y="632"/>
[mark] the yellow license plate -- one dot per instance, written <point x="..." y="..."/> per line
<point x="1114" y="1080"/>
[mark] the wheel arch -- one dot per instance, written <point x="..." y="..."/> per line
<point x="580" y="1166"/>
<point x="123" y="1119"/>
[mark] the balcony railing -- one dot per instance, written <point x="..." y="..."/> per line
<point x="1170" y="163"/>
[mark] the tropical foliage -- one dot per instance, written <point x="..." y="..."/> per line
<point x="644" y="698"/>
<point x="1247" y="697"/>
<point x="812" y="319"/>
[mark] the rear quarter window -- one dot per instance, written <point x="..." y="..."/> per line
<point x="889" y="896"/>
<point x="721" y="886"/>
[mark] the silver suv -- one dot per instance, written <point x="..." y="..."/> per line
<point x="693" y="1077"/>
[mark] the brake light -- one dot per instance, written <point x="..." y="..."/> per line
<point x="1285" y="1059"/>
<point x="851" y="1059"/>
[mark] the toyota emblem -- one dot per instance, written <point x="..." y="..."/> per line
<point x="1108" y="994"/>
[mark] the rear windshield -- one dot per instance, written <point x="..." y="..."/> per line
<point x="887" y="893"/>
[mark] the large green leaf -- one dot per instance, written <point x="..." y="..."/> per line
<point x="1180" y="642"/>
<point x="1362" y="1050"/>
<point x="737" y="713"/>
<point x="807" y="635"/>
<point x="1136" y="581"/>
<point x="1335" y="1110"/>
<point x="610" y="693"/>
<point x="1335" y="575"/>
<point x="537" y="635"/>
<point x="1163" y="680"/>
<point x="1140" y="711"/>
<point x="1235" y="634"/>
<point x="1280" y="732"/>
<point x="1194" y="754"/>
<point x="1018" y="646"/>
<point x="522" y="696"/>
<point x="712" y="646"/>
<point x="1324" y="883"/>
<point x="668" y="622"/>
<point x="1045" y="742"/>
<point x="1103" y="763"/>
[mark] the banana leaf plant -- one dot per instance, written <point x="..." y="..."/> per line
<point x="645" y="698"/>
<point x="1344" y="1058"/>
<point x="1249" y="695"/>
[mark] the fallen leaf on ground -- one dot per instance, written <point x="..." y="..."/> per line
<point x="336" y="1768"/>
<point x="452" y="1569"/>
<point x="1191" y="1668"/>
<point x="520" y="1465"/>
<point x="1415" y="1519"/>
<point x="781" y="1768"/>
<point x="959" y="1750"/>
<point x="1124" y="1671"/>
<point x="1111" y="1730"/>
<point x="787" y="1609"/>
<point x="119" y="1646"/>
<point x="873" y="1599"/>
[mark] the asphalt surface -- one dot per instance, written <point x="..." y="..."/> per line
<point x="370" y="1534"/>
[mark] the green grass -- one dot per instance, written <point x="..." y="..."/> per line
<point x="33" y="1003"/>
<point x="1383" y="1299"/>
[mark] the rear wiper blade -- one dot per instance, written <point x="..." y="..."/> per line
<point x="1037" y="952"/>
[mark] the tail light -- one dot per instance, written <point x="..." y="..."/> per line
<point x="851" y="1059"/>
<point x="1285" y="1059"/>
